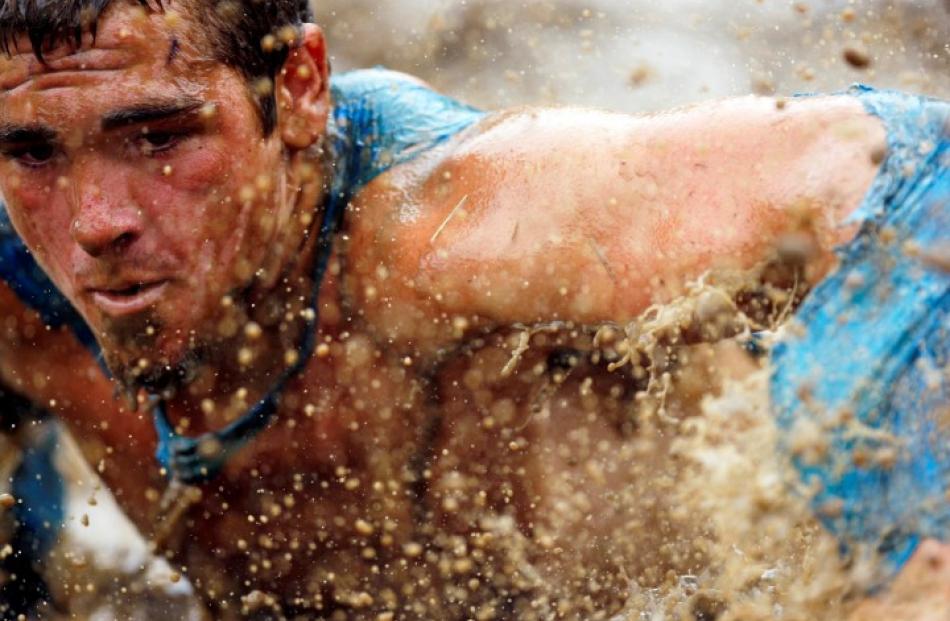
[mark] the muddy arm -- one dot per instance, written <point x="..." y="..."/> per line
<point x="590" y="216"/>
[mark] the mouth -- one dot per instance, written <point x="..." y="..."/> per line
<point x="129" y="300"/>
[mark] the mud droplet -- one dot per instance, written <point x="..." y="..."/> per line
<point x="937" y="258"/>
<point x="796" y="249"/>
<point x="210" y="448"/>
<point x="253" y="330"/>
<point x="413" y="550"/>
<point x="208" y="111"/>
<point x="640" y="75"/>
<point x="245" y="356"/>
<point x="878" y="154"/>
<point x="857" y="57"/>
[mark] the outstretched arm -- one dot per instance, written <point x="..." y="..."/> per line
<point x="590" y="216"/>
<point x="56" y="373"/>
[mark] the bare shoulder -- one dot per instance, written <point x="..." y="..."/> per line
<point x="425" y="234"/>
<point x="545" y="214"/>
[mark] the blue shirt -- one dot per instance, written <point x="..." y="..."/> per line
<point x="869" y="363"/>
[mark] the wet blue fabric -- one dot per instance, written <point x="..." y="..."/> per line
<point x="39" y="517"/>
<point x="41" y="493"/>
<point x="40" y="511"/>
<point x="867" y="363"/>
<point x="380" y="119"/>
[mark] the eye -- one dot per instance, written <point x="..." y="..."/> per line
<point x="155" y="142"/>
<point x="34" y="155"/>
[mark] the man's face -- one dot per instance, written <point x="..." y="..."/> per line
<point x="137" y="173"/>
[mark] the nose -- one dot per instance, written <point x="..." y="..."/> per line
<point x="104" y="223"/>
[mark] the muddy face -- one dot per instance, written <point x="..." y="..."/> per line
<point x="137" y="171"/>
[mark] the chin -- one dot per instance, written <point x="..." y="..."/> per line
<point x="142" y="353"/>
<point x="157" y="378"/>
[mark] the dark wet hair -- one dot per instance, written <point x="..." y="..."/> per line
<point x="234" y="30"/>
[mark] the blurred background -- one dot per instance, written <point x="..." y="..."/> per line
<point x="635" y="56"/>
<point x="644" y="55"/>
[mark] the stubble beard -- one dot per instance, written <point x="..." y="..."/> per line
<point x="132" y="353"/>
<point x="143" y="338"/>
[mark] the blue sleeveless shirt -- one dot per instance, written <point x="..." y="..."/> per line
<point x="870" y="364"/>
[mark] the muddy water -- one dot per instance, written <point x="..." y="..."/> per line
<point x="731" y="542"/>
<point x="763" y="555"/>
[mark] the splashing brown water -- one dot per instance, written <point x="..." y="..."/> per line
<point x="722" y="532"/>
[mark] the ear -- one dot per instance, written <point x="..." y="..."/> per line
<point x="303" y="91"/>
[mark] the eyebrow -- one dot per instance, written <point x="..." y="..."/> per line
<point x="149" y="112"/>
<point x="12" y="134"/>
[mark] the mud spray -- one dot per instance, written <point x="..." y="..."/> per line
<point x="716" y="524"/>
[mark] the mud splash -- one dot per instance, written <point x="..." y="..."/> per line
<point x="730" y="533"/>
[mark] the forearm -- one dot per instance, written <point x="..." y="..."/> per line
<point x="55" y="372"/>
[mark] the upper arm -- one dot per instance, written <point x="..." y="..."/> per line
<point x="589" y="216"/>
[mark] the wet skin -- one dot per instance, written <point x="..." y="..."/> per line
<point x="382" y="442"/>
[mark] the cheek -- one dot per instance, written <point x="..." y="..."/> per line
<point x="202" y="168"/>
<point x="184" y="198"/>
<point x="198" y="173"/>
<point x="30" y="192"/>
<point x="236" y="216"/>
<point x="195" y="210"/>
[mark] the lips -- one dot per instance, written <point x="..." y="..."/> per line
<point x="128" y="299"/>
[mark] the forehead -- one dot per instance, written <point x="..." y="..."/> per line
<point x="135" y="55"/>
